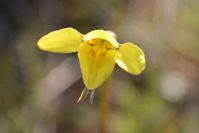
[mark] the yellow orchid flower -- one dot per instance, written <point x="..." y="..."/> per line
<point x="98" y="52"/>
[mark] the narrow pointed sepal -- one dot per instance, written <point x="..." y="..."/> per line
<point x="83" y="95"/>
<point x="91" y="99"/>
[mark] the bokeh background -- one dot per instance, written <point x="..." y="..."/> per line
<point x="39" y="90"/>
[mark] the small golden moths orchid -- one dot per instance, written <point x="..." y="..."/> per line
<point x="98" y="52"/>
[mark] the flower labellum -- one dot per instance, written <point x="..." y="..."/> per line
<point x="98" y="52"/>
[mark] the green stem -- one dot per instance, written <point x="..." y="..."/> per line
<point x="104" y="107"/>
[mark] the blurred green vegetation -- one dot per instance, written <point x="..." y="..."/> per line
<point x="39" y="90"/>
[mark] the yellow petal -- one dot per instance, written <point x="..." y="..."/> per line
<point x="95" y="68"/>
<point x="131" y="58"/>
<point x="105" y="35"/>
<point x="65" y="40"/>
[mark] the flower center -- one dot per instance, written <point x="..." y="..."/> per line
<point x="99" y="48"/>
<point x="100" y="44"/>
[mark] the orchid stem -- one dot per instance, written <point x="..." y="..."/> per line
<point x="105" y="106"/>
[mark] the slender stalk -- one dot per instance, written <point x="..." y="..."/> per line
<point x="104" y="107"/>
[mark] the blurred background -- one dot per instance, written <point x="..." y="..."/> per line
<point x="39" y="90"/>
